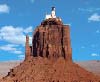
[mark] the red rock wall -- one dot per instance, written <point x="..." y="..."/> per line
<point x="52" y="41"/>
<point x="27" y="48"/>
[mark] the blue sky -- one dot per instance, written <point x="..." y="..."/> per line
<point x="20" y="17"/>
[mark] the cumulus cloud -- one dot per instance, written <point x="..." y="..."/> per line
<point x="94" y="17"/>
<point x="94" y="54"/>
<point x="11" y="48"/>
<point x="15" y="35"/>
<point x="4" y="8"/>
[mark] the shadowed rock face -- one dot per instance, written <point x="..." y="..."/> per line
<point x="49" y="59"/>
<point x="52" y="40"/>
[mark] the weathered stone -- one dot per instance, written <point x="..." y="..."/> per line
<point x="27" y="48"/>
<point x="52" y="40"/>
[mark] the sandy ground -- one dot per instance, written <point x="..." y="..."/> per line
<point x="92" y="66"/>
<point x="6" y="66"/>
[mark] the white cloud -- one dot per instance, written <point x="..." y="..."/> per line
<point x="30" y="40"/>
<point x="68" y="24"/>
<point x="4" y="8"/>
<point x="94" y="17"/>
<point x="8" y="47"/>
<point x="17" y="52"/>
<point x="11" y="48"/>
<point x="15" y="35"/>
<point x="21" y="57"/>
<point x="94" y="54"/>
<point x="82" y="9"/>
<point x="12" y="34"/>
<point x="29" y="29"/>
<point x="89" y="9"/>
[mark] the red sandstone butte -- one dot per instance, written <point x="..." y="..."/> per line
<point x="49" y="59"/>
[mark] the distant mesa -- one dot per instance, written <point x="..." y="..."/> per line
<point x="49" y="59"/>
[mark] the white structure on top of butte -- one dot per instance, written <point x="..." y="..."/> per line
<point x="52" y="15"/>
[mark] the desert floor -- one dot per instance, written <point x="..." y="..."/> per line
<point x="92" y="66"/>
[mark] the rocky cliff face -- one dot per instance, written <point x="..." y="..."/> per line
<point x="49" y="59"/>
<point x="52" y="40"/>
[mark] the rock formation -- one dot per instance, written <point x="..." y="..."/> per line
<point x="27" y="48"/>
<point x="49" y="59"/>
<point x="51" y="40"/>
